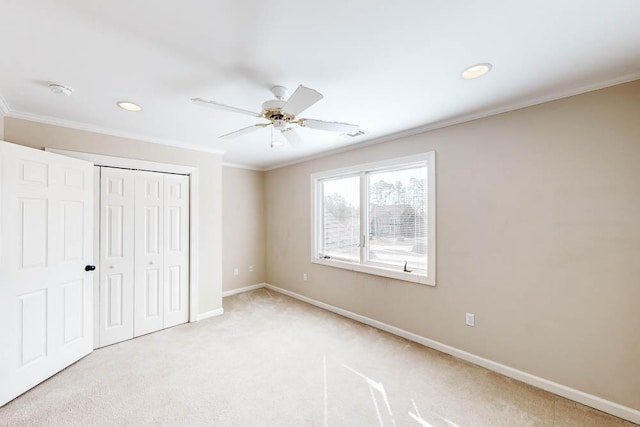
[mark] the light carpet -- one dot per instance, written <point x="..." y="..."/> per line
<point x="271" y="360"/>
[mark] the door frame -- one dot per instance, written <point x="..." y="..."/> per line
<point x="193" y="172"/>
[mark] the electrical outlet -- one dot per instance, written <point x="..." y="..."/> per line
<point x="304" y="276"/>
<point x="251" y="269"/>
<point x="235" y="271"/>
<point x="470" y="319"/>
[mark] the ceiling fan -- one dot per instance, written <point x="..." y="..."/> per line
<point x="281" y="115"/>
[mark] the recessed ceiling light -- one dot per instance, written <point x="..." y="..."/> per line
<point x="129" y="106"/>
<point x="476" y="71"/>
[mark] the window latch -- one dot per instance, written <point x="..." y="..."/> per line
<point x="405" y="268"/>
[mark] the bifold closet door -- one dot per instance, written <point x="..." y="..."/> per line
<point x="144" y="253"/>
<point x="149" y="230"/>
<point x="176" y="249"/>
<point x="117" y="191"/>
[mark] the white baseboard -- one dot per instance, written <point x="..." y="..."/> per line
<point x="212" y="313"/>
<point x="243" y="289"/>
<point x="607" y="406"/>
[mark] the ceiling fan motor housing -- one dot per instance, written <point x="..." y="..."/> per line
<point x="274" y="104"/>
<point x="272" y="110"/>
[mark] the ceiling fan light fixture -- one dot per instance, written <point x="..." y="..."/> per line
<point x="280" y="125"/>
<point x="477" y="70"/>
<point x="129" y="106"/>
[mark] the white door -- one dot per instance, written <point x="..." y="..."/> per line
<point x="149" y="284"/>
<point x="144" y="253"/>
<point x="46" y="226"/>
<point x="176" y="249"/>
<point x="117" y="190"/>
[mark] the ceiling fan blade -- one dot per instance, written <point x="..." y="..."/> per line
<point x="219" y="106"/>
<point x="248" y="129"/>
<point x="330" y="126"/>
<point x="300" y="100"/>
<point x="292" y="137"/>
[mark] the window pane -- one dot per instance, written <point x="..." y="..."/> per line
<point x="341" y="218"/>
<point x="397" y="217"/>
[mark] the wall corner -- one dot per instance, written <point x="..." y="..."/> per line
<point x="4" y="110"/>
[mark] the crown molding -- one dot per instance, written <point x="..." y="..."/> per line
<point x="4" y="107"/>
<point x="241" y="166"/>
<point x="54" y="121"/>
<point x="6" y="111"/>
<point x="466" y="118"/>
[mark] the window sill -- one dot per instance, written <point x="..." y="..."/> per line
<point x="377" y="271"/>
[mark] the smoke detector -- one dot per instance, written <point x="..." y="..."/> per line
<point x="60" y="89"/>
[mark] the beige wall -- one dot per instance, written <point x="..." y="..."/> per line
<point x="538" y="234"/>
<point x="1" y="127"/>
<point x="243" y="222"/>
<point x="210" y="231"/>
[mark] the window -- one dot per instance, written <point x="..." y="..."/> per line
<point x="377" y="218"/>
<point x="341" y="217"/>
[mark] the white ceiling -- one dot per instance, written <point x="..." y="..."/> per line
<point x="388" y="66"/>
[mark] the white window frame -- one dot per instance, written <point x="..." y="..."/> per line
<point x="427" y="159"/>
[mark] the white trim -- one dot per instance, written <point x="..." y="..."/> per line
<point x="612" y="408"/>
<point x="243" y="289"/>
<point x="431" y="201"/>
<point x="212" y="313"/>
<point x="126" y="163"/>
<point x="463" y="119"/>
<point x="363" y="265"/>
<point x="4" y="107"/>
<point x="194" y="244"/>
<point x="375" y="270"/>
<point x="239" y="166"/>
<point x="96" y="256"/>
<point x="372" y="166"/>
<point x="54" y="121"/>
<point x="194" y="210"/>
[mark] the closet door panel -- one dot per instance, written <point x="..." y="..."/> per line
<point x="176" y="249"/>
<point x="116" y="255"/>
<point x="149" y="243"/>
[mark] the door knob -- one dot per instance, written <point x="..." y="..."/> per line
<point x="89" y="267"/>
